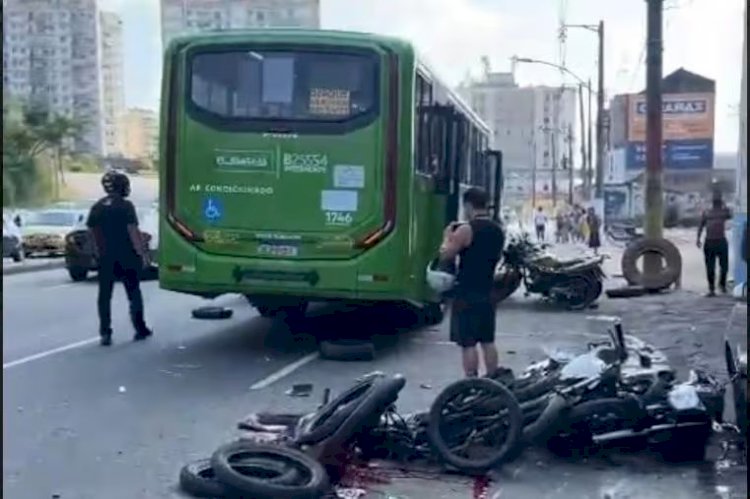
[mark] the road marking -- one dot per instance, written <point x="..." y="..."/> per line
<point x="284" y="371"/>
<point x="58" y="286"/>
<point x="47" y="353"/>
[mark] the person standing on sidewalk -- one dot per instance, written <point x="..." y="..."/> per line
<point x="715" y="246"/>
<point x="479" y="245"/>
<point x="120" y="252"/>
<point x="540" y="223"/>
<point x="594" y="224"/>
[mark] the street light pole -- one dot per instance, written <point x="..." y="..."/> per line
<point x="600" y="117"/>
<point x="589" y="153"/>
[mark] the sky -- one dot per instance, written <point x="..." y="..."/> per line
<point x="703" y="36"/>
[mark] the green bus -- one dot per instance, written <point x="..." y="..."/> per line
<point x="305" y="166"/>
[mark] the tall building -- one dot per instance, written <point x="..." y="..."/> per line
<point x="740" y="217"/>
<point x="113" y="81"/>
<point x="532" y="126"/>
<point x="52" y="57"/>
<point x="188" y="16"/>
<point x="140" y="134"/>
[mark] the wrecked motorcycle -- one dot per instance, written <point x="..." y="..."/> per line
<point x="600" y="396"/>
<point x="737" y="371"/>
<point x="574" y="283"/>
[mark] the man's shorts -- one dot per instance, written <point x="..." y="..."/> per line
<point x="472" y="321"/>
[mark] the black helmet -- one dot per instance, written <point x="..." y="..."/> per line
<point x="115" y="182"/>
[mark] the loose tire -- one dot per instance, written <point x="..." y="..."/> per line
<point x="212" y="313"/>
<point x="668" y="275"/>
<point x="198" y="478"/>
<point x="78" y="274"/>
<point x="626" y="292"/>
<point x="18" y="256"/>
<point x="501" y="400"/>
<point x="311" y="483"/>
<point x="347" y="350"/>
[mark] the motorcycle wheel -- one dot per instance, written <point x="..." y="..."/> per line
<point x="579" y="292"/>
<point x="329" y="418"/>
<point x="468" y="407"/>
<point x="507" y="282"/>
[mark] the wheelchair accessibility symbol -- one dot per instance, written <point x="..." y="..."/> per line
<point x="212" y="209"/>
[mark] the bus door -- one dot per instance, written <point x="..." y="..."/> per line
<point x="449" y="132"/>
<point x="494" y="179"/>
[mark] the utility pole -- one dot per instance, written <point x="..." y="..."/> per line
<point x="654" y="171"/>
<point x="584" y="168"/>
<point x="553" y="138"/>
<point x="600" y="117"/>
<point x="570" y="164"/>
<point x="589" y="153"/>
<point x="532" y="153"/>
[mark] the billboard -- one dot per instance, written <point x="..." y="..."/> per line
<point x="687" y="134"/>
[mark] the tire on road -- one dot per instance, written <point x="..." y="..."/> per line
<point x="198" y="478"/>
<point x="626" y="292"/>
<point x="347" y="350"/>
<point x="311" y="481"/>
<point x="669" y="274"/>
<point x="78" y="274"/>
<point x="212" y="313"/>
<point x="432" y="314"/>
<point x="500" y="396"/>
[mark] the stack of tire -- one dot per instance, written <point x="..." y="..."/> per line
<point x="305" y="466"/>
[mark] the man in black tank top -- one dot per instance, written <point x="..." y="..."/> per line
<point x="479" y="245"/>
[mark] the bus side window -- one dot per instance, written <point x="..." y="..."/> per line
<point x="422" y="101"/>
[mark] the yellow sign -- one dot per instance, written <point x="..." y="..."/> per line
<point x="684" y="117"/>
<point x="330" y="102"/>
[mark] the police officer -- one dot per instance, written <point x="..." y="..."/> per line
<point x="479" y="245"/>
<point x="120" y="251"/>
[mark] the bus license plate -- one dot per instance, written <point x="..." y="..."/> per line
<point x="277" y="250"/>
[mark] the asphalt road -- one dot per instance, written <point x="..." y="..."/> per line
<point x="83" y="422"/>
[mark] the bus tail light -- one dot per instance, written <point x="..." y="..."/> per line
<point x="391" y="167"/>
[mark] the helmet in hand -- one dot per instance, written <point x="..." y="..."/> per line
<point x="438" y="279"/>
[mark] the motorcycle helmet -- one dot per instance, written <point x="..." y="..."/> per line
<point x="115" y="182"/>
<point x="438" y="279"/>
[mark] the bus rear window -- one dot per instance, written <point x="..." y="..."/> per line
<point x="273" y="85"/>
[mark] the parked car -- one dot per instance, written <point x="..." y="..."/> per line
<point x="12" y="239"/>
<point x="44" y="231"/>
<point x="80" y="259"/>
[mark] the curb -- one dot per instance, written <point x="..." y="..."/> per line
<point x="24" y="269"/>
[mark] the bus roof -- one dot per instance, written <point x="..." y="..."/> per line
<point x="222" y="36"/>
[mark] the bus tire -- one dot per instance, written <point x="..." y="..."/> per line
<point x="666" y="249"/>
<point x="78" y="274"/>
<point x="347" y="350"/>
<point x="432" y="314"/>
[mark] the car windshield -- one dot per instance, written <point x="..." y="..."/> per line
<point x="53" y="218"/>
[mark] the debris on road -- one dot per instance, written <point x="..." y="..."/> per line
<point x="212" y="313"/>
<point x="301" y="390"/>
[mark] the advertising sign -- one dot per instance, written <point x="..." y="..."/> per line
<point x="688" y="131"/>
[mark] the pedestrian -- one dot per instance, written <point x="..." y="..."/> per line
<point x="583" y="225"/>
<point x="478" y="244"/>
<point x="120" y="252"/>
<point x="540" y="223"/>
<point x="559" y="226"/>
<point x="594" y="226"/>
<point x="715" y="246"/>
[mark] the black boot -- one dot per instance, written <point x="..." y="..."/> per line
<point x="105" y="338"/>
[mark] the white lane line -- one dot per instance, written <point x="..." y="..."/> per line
<point x="47" y="353"/>
<point x="58" y="286"/>
<point x="284" y="371"/>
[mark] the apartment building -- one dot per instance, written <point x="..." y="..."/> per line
<point x="66" y="56"/>
<point x="113" y="81"/>
<point x="531" y="125"/>
<point x="140" y="134"/>
<point x="188" y="16"/>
